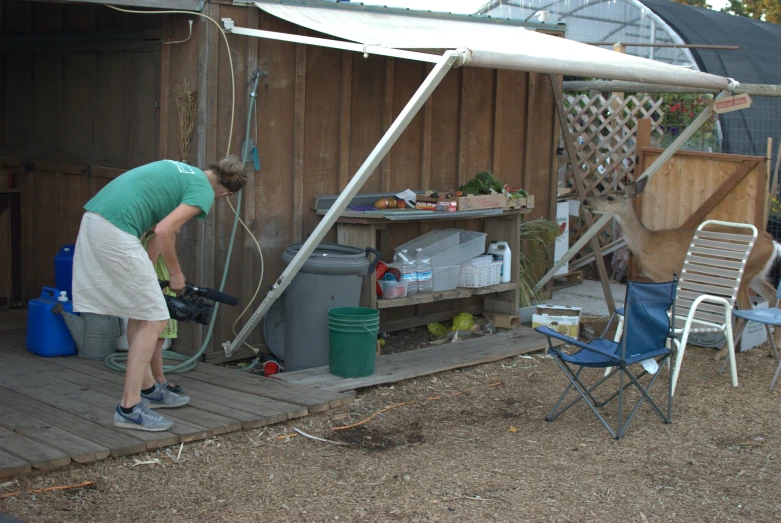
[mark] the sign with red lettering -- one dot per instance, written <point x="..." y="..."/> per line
<point x="731" y="103"/>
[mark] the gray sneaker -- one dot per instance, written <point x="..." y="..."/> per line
<point x="162" y="398"/>
<point x="141" y="418"/>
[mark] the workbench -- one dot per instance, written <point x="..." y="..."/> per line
<point x="387" y="230"/>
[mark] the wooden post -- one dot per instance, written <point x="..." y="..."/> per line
<point x="575" y="164"/>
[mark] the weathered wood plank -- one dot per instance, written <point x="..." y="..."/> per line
<point x="70" y="398"/>
<point x="119" y="442"/>
<point x="431" y="360"/>
<point x="229" y="419"/>
<point x="314" y="400"/>
<point x="11" y="466"/>
<point x="79" y="449"/>
<point x="39" y="455"/>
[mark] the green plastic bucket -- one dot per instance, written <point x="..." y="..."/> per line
<point x="352" y="339"/>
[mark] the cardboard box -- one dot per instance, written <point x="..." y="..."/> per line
<point x="560" y="318"/>
<point x="426" y="204"/>
<point x="472" y="202"/>
<point x="520" y="203"/>
<point x="753" y="335"/>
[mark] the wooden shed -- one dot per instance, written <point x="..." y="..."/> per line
<point x="89" y="92"/>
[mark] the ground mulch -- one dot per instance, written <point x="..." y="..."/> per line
<point x="463" y="445"/>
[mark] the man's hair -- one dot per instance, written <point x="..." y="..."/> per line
<point x="230" y="173"/>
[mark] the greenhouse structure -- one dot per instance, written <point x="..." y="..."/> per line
<point x="742" y="48"/>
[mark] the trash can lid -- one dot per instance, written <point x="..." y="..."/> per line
<point x="330" y="259"/>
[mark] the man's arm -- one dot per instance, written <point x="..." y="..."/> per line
<point x="165" y="231"/>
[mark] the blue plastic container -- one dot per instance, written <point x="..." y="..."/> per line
<point x="47" y="334"/>
<point x="63" y="269"/>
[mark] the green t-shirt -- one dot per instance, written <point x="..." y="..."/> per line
<point x="137" y="200"/>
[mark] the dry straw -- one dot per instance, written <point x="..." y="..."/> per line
<point x="186" y="103"/>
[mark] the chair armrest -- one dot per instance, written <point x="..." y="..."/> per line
<point x="718" y="300"/>
<point x="572" y="341"/>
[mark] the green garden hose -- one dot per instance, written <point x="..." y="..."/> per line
<point x="114" y="361"/>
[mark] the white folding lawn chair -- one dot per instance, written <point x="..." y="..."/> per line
<point x="708" y="286"/>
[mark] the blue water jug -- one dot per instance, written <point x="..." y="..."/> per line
<point x="47" y="334"/>
<point x="63" y="269"/>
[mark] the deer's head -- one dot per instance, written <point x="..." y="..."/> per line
<point x="617" y="203"/>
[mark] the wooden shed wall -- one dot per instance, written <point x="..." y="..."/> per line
<point x="71" y="120"/>
<point x="319" y="114"/>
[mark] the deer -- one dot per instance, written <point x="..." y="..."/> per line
<point x="660" y="253"/>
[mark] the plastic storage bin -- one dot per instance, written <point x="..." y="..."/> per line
<point x="448" y="253"/>
<point x="47" y="334"/>
<point x="474" y="276"/>
<point x="433" y="242"/>
<point x="446" y="278"/>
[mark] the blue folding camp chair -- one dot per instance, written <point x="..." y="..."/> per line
<point x="647" y="335"/>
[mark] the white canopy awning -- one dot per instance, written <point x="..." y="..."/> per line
<point x="490" y="45"/>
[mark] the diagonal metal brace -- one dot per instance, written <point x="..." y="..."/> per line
<point x="443" y="65"/>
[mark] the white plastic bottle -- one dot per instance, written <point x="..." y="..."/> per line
<point x="501" y="252"/>
<point x="406" y="265"/>
<point x="424" y="272"/>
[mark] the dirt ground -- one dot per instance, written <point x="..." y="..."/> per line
<point x="463" y="445"/>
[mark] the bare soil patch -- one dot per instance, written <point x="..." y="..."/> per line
<point x="463" y="445"/>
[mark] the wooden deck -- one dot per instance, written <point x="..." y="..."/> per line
<point x="421" y="362"/>
<point x="57" y="410"/>
<point x="54" y="411"/>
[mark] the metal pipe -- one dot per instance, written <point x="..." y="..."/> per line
<point x="365" y="49"/>
<point x="426" y="89"/>
<point x="638" y="87"/>
<point x="675" y="46"/>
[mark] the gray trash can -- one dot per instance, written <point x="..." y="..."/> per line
<point x="331" y="277"/>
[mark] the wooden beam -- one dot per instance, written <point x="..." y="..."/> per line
<point x="576" y="172"/>
<point x="428" y="112"/>
<point x="730" y="183"/>
<point x="387" y="120"/>
<point x="298" y="141"/>
<point x="344" y="119"/>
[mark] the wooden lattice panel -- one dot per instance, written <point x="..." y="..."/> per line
<point x="604" y="133"/>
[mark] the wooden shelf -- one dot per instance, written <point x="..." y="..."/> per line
<point x="430" y="297"/>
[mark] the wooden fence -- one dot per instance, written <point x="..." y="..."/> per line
<point x="694" y="186"/>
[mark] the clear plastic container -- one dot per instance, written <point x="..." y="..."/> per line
<point x="445" y="278"/>
<point x="432" y="242"/>
<point x="443" y="249"/>
<point x="393" y="289"/>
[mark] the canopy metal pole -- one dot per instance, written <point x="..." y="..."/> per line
<point x="423" y="93"/>
<point x="594" y="229"/>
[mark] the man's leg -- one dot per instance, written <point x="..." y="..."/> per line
<point x="142" y="337"/>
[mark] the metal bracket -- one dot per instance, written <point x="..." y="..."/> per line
<point x="228" y="24"/>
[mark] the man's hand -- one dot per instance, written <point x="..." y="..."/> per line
<point x="176" y="282"/>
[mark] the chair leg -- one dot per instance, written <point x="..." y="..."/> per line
<point x="731" y="348"/>
<point x="775" y="377"/>
<point x="679" y="359"/>
<point x="772" y="342"/>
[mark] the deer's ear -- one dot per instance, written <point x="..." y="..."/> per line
<point x="635" y="188"/>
